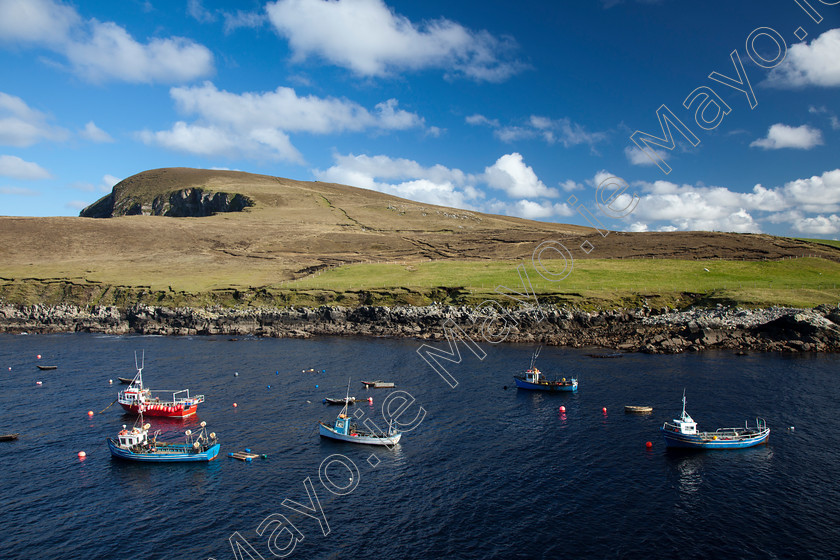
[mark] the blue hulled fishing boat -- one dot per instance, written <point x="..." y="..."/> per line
<point x="345" y="429"/>
<point x="535" y="381"/>
<point x="135" y="445"/>
<point x="683" y="433"/>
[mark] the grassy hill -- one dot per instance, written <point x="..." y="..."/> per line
<point x="310" y="242"/>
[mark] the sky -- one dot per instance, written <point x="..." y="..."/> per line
<point x="629" y="115"/>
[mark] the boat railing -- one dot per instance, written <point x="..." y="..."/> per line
<point x="184" y="395"/>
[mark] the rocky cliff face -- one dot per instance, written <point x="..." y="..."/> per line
<point x="776" y="329"/>
<point x="190" y="202"/>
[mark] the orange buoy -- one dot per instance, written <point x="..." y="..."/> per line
<point x="90" y="413"/>
<point x="82" y="454"/>
<point x="235" y="405"/>
<point x="648" y="445"/>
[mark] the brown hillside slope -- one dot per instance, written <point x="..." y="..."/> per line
<point x="296" y="227"/>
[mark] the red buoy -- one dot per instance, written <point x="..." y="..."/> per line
<point x="235" y="405"/>
<point x="604" y="410"/>
<point x="38" y="356"/>
<point x="562" y="409"/>
<point x="82" y="454"/>
<point x="648" y="445"/>
<point x="90" y="413"/>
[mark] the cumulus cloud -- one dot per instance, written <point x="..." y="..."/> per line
<point x="13" y="166"/>
<point x="783" y="136"/>
<point x="22" y="126"/>
<point x="370" y="39"/>
<point x="810" y="64"/>
<point x="445" y="186"/>
<point x="695" y="207"/>
<point x="819" y="225"/>
<point x="511" y="175"/>
<point x="257" y="124"/>
<point x="101" y="51"/>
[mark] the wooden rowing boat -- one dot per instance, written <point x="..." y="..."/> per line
<point x="632" y="409"/>
<point x="8" y="437"/>
<point x="47" y="367"/>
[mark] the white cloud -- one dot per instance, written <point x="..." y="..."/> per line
<point x="370" y="39"/>
<point x="551" y="131"/>
<point x="256" y="143"/>
<point x="569" y="186"/>
<point x="13" y="166"/>
<point x="693" y="207"/>
<point x="814" y="64"/>
<point x="638" y="157"/>
<point x="101" y="51"/>
<point x="22" y="126"/>
<point x="518" y="180"/>
<point x="94" y="133"/>
<point x="257" y="125"/>
<point x="107" y="183"/>
<point x="242" y="20"/>
<point x="36" y="21"/>
<point x="638" y="227"/>
<point x="435" y="185"/>
<point x="820" y="193"/>
<point x="284" y="109"/>
<point x="821" y="225"/>
<point x="783" y="136"/>
<point x="481" y="120"/>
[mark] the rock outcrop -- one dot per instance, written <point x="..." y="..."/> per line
<point x="645" y="330"/>
<point x="183" y="203"/>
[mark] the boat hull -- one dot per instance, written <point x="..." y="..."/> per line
<point x="328" y="432"/>
<point x="173" y="454"/>
<point x="165" y="410"/>
<point x="699" y="441"/>
<point x="553" y="386"/>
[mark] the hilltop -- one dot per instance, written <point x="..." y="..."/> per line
<point x="183" y="236"/>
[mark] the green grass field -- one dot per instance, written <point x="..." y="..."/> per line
<point x="800" y="282"/>
<point x="589" y="284"/>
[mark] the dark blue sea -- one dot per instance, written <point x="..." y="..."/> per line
<point x="489" y="472"/>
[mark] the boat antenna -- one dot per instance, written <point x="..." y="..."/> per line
<point x="534" y="357"/>
<point x="346" y="398"/>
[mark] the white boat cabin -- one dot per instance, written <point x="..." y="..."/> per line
<point x="135" y="436"/>
<point x="533" y="375"/>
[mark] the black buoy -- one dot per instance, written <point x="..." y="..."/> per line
<point x="504" y="387"/>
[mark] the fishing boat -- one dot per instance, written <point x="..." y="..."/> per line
<point x="42" y="368"/>
<point x="8" y="437"/>
<point x="169" y="404"/>
<point x="683" y="433"/>
<point x="345" y="429"/>
<point x="125" y="380"/>
<point x="535" y="380"/>
<point x="136" y="445"/>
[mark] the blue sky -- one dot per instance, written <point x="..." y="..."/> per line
<point x="494" y="106"/>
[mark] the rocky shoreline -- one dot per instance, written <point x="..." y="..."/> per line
<point x="638" y="330"/>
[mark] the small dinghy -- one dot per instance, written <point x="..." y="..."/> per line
<point x="348" y="400"/>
